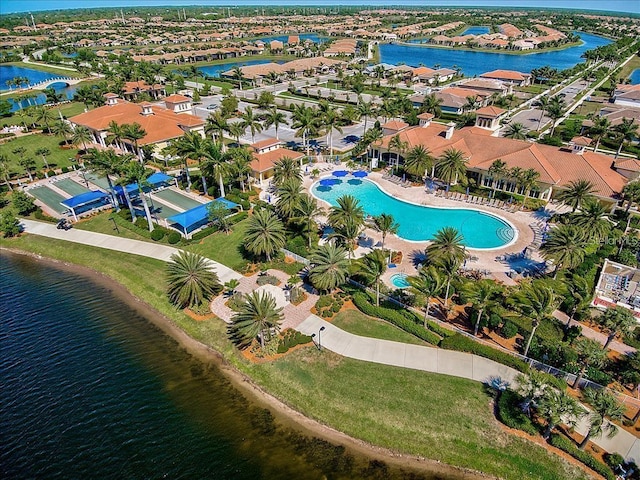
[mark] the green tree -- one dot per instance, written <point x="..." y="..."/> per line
<point x="329" y="267"/>
<point x="306" y="123"/>
<point x="43" y="152"/>
<point x="429" y="282"/>
<point x="451" y="165"/>
<point x="631" y="193"/>
<point x="45" y="117"/>
<point x="418" y="161"/>
<point x="396" y="143"/>
<point x="265" y="234"/>
<point x="599" y="130"/>
<point x="286" y="169"/>
<point x="22" y="203"/>
<point x="498" y="171"/>
<point x="576" y="193"/>
<point x="590" y="354"/>
<point x="250" y="120"/>
<point x="28" y="163"/>
<point x="348" y="211"/>
<point x="385" y="224"/>
<point x="108" y="163"/>
<point x="4" y="170"/>
<point x="307" y="211"/>
<point x="431" y="104"/>
<point x="258" y="317"/>
<point x="9" y="224"/>
<point x="372" y="266"/>
<point x="446" y="243"/>
<point x="81" y="136"/>
<point x="482" y="294"/>
<point x="626" y="131"/>
<point x="557" y="407"/>
<point x="566" y="246"/>
<point x="276" y="118"/>
<point x="289" y="194"/>
<point x="134" y="132"/>
<point x="62" y="129"/>
<point x="332" y="121"/>
<point x="191" y="279"/>
<point x="516" y="131"/>
<point x="218" y="215"/>
<point x="555" y="110"/>
<point x="616" y="321"/>
<point x="366" y="109"/>
<point x="593" y="220"/>
<point x="136" y="173"/>
<point x="192" y="145"/>
<point x="579" y="291"/>
<point x="528" y="182"/>
<point x="532" y="388"/>
<point x="217" y="124"/>
<point x="603" y="404"/>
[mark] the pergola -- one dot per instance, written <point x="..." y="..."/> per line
<point x="198" y="216"/>
<point x="83" y="202"/>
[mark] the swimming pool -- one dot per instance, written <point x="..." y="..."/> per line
<point x="399" y="280"/>
<point x="419" y="223"/>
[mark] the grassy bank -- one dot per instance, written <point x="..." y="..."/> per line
<point x="435" y="416"/>
<point x="496" y="50"/>
<point x="57" y="158"/>
<point x="356" y="322"/>
<point x="631" y="65"/>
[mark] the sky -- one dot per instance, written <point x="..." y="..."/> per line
<point x="628" y="6"/>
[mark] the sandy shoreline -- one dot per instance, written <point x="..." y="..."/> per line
<point x="286" y="415"/>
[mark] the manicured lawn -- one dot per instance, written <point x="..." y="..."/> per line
<point x="224" y="248"/>
<point x="356" y="322"/>
<point x="67" y="110"/>
<point x="101" y="224"/>
<point x="58" y="158"/>
<point x="436" y="416"/>
<point x="633" y="64"/>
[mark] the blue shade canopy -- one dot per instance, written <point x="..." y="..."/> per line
<point x="131" y="188"/>
<point x="327" y="182"/>
<point x="340" y="173"/>
<point x="85" y="199"/>
<point x="159" y="177"/>
<point x="198" y="215"/>
<point x="360" y="174"/>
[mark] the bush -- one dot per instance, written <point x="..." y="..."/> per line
<point x="22" y="202"/>
<point x="463" y="344"/>
<point x="589" y="460"/>
<point x="40" y="215"/>
<point x="267" y="279"/>
<point x="157" y="235"/>
<point x="290" y="339"/>
<point x="509" y="330"/>
<point x="598" y="376"/>
<point x="65" y="169"/>
<point x="510" y="413"/>
<point x="613" y="460"/>
<point x="174" y="237"/>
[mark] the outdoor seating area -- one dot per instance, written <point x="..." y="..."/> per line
<point x="619" y="285"/>
<point x="397" y="180"/>
<point x="477" y="200"/>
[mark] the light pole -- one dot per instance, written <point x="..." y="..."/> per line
<point x="319" y="342"/>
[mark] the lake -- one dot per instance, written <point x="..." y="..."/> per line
<point x="476" y="63"/>
<point x="635" y="76"/>
<point x="8" y="72"/>
<point x="92" y="389"/>
<point x="216" y="70"/>
<point x="476" y="30"/>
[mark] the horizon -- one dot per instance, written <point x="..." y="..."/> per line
<point x="613" y="6"/>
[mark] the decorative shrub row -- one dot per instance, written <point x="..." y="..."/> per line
<point x="328" y="305"/>
<point x="40" y="215"/>
<point x="410" y="315"/>
<point x="589" y="460"/>
<point x="510" y="413"/>
<point x="395" y="317"/>
<point x="292" y="338"/>
<point x="463" y="344"/>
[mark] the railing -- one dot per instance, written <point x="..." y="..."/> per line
<point x="295" y="256"/>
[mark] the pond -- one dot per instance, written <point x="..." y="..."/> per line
<point x="635" y="76"/>
<point x="216" y="70"/>
<point x="9" y="72"/>
<point x="476" y="63"/>
<point x="476" y="30"/>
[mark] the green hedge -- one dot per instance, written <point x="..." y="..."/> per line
<point x="589" y="460"/>
<point x="464" y="344"/>
<point x="292" y="338"/>
<point x="510" y="413"/>
<point x="410" y="315"/>
<point x="40" y="215"/>
<point x="361" y="300"/>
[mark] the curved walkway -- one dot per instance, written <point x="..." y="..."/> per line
<point x="445" y="362"/>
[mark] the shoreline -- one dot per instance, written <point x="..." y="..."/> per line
<point x="284" y="414"/>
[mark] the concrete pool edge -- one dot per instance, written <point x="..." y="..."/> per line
<point x="484" y="212"/>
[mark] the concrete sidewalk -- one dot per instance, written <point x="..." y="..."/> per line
<point x="445" y="362"/>
<point x="601" y="338"/>
<point x="111" y="242"/>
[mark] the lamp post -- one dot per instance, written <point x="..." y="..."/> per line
<point x="115" y="225"/>
<point x="319" y="342"/>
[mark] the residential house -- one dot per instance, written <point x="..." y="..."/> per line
<point x="266" y="154"/>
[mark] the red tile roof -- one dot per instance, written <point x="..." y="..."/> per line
<point x="263" y="162"/>
<point x="490" y="111"/>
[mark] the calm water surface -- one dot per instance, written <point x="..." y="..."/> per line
<point x="90" y="389"/>
<point x="7" y="72"/>
<point x="635" y="76"/>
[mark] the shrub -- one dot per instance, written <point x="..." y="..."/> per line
<point x="510" y="413"/>
<point x="613" y="460"/>
<point x="22" y="202"/>
<point x="567" y="446"/>
<point x="509" y="330"/>
<point x="463" y="344"/>
<point x="174" y="237"/>
<point x="267" y="279"/>
<point x="40" y="215"/>
<point x="65" y="169"/>
<point x="290" y="339"/>
<point x="598" y="376"/>
<point x="157" y="235"/>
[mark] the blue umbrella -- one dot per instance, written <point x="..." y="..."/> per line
<point x="327" y="182"/>
<point x="360" y="174"/>
<point x="340" y="173"/>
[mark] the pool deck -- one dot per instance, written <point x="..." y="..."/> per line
<point x="486" y="259"/>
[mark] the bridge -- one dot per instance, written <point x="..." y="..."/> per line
<point x="50" y="81"/>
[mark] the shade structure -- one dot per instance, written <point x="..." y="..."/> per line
<point x="86" y="201"/>
<point x="198" y="216"/>
<point x="360" y="174"/>
<point x="159" y="178"/>
<point x="340" y="173"/>
<point x="327" y="182"/>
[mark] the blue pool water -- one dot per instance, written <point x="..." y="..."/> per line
<point x="399" y="280"/>
<point x="420" y="223"/>
<point x="476" y="63"/>
<point x="216" y="70"/>
<point x="635" y="76"/>
<point x="476" y="30"/>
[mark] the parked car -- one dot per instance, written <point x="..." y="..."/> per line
<point x="63" y="224"/>
<point x="213" y="106"/>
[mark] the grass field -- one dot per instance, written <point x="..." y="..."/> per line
<point x="67" y="110"/>
<point x="436" y="416"/>
<point x="356" y="322"/>
<point x="58" y="157"/>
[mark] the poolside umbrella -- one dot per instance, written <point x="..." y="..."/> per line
<point x="360" y="174"/>
<point x="327" y="182"/>
<point x="340" y="173"/>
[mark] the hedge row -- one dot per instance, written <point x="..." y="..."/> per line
<point x="463" y="344"/>
<point x="410" y="315"/>
<point x="589" y="460"/>
<point x="510" y="413"/>
<point x="361" y="301"/>
<point x="40" y="215"/>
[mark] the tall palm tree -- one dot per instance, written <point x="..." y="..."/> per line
<point x="366" y="109"/>
<point x="471" y="103"/>
<point x="603" y="404"/>
<point x="516" y="131"/>
<point x="498" y="171"/>
<point x="557" y="407"/>
<point x="396" y="143"/>
<point x="543" y="104"/>
<point x="215" y="164"/>
<point x="238" y="75"/>
<point x="265" y="234"/>
<point x="134" y="132"/>
<point x="240" y="159"/>
<point x="331" y="119"/>
<point x="599" y="129"/>
<point x="431" y="104"/>
<point x="257" y="317"/>
<point x="482" y="295"/>
<point x="566" y="246"/>
<point x="217" y="124"/>
<point x="528" y="181"/>
<point x="276" y="118"/>
<point x="536" y="301"/>
<point x="236" y="131"/>
<point x="192" y="145"/>
<point x="191" y="279"/>
<point x="631" y="193"/>
<point x="115" y="135"/>
<point x="306" y="122"/>
<point x="590" y="354"/>
<point x="4" y="170"/>
<point x="28" y="164"/>
<point x="446" y="243"/>
<point x="626" y="131"/>
<point x="289" y="194"/>
<point x="43" y="152"/>
<point x="531" y="387"/>
<point x="329" y="267"/>
<point x="579" y="290"/>
<point x="44" y="116"/>
<point x="451" y="165"/>
<point x="615" y="321"/>
<point x="62" y="129"/>
<point x="108" y="163"/>
<point x="372" y="266"/>
<point x="136" y="173"/>
<point x="348" y="210"/>
<point x="428" y="282"/>
<point x="576" y="193"/>
<point x="250" y="120"/>
<point x="81" y="135"/>
<point x="592" y="219"/>
<point x="286" y="169"/>
<point x="449" y="266"/>
<point x="385" y="224"/>
<point x="418" y="161"/>
<point x="555" y="110"/>
<point x="307" y="211"/>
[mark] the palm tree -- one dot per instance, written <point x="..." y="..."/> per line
<point x="236" y="131"/>
<point x="482" y="295"/>
<point x="566" y="246"/>
<point x="217" y="124"/>
<point x="543" y="103"/>
<point x="555" y="110"/>
<point x="108" y="163"/>
<point x="449" y="266"/>
<point x="134" y="132"/>
<point x="531" y="387"/>
<point x="592" y="219"/>
<point x="192" y="145"/>
<point x="44" y="116"/>
<point x="28" y="164"/>
<point x="258" y="316"/>
<point x="471" y="103"/>
<point x="191" y="279"/>
<point x="528" y="181"/>
<point x="431" y="104"/>
<point x="276" y="118"/>
<point x="286" y="169"/>
<point x="516" y="131"/>
<point x="498" y="171"/>
<point x="238" y="75"/>
<point x="331" y="119"/>
<point x="289" y="193"/>
<point x="576" y="193"/>
<point x="616" y="321"/>
<point x="306" y="122"/>
<point x="214" y="163"/>
<point x="451" y="165"/>
<point x="603" y="404"/>
<point x="4" y="170"/>
<point x="43" y="152"/>
<point x="428" y="282"/>
<point x="579" y="290"/>
<point x="557" y="407"/>
<point x="372" y="266"/>
<point x="590" y="354"/>
<point x="347" y="211"/>
<point x="367" y="110"/>
<point x="446" y="243"/>
<point x="307" y="211"/>
<point x="396" y="143"/>
<point x="250" y="121"/>
<point x="631" y="193"/>
<point x="136" y="173"/>
<point x="116" y="134"/>
<point x="329" y="267"/>
<point x="265" y="234"/>
<point x="62" y="129"/>
<point x="240" y="164"/>
<point x="418" y="161"/>
<point x="599" y="129"/>
<point x="536" y="301"/>
<point x="626" y="131"/>
<point x="385" y="224"/>
<point x="81" y="135"/>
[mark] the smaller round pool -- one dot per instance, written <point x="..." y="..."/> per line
<point x="399" y="280"/>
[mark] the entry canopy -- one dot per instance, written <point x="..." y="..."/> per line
<point x="198" y="215"/>
<point x="85" y="199"/>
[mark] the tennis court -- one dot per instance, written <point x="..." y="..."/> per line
<point x="163" y="211"/>
<point x="50" y="198"/>
<point x="98" y="181"/>
<point x="177" y="199"/>
<point x="71" y="187"/>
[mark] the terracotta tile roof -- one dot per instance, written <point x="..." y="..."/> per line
<point x="506" y="74"/>
<point x="426" y="116"/>
<point x="628" y="164"/>
<point x="581" y="140"/>
<point x="490" y="111"/>
<point x="175" y="98"/>
<point x="423" y="71"/>
<point x="395" y="125"/>
<point x="267" y="142"/>
<point x="263" y="162"/>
